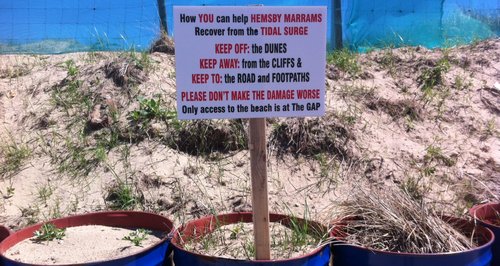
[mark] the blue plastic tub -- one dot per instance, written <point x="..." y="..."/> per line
<point x="351" y="255"/>
<point x="201" y="227"/>
<point x="156" y="255"/>
<point x="485" y="215"/>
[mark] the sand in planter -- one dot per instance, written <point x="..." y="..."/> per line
<point x="80" y="244"/>
<point x="236" y="241"/>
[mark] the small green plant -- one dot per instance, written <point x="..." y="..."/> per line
<point x="491" y="127"/>
<point x="303" y="233"/>
<point x="236" y="231"/>
<point x="107" y="139"/>
<point x="462" y="83"/>
<point x="122" y="197"/>
<point x="149" y="110"/>
<point x="210" y="240"/>
<point x="428" y="170"/>
<point x="137" y="236"/>
<point x="145" y="62"/>
<point x="14" y="156"/>
<point x="71" y="68"/>
<point x="323" y="164"/>
<point x="328" y="168"/>
<point x="217" y="170"/>
<point x="73" y="206"/>
<point x="10" y="191"/>
<point x="351" y="115"/>
<point x="345" y="60"/>
<point x="48" y="232"/>
<point x="409" y="123"/>
<point x="91" y="57"/>
<point x="78" y="161"/>
<point x="249" y="249"/>
<point x="413" y="188"/>
<point x="141" y="60"/>
<point x="100" y="153"/>
<point x="434" y="153"/>
<point x="15" y="72"/>
<point x="70" y="95"/>
<point x="433" y="157"/>
<point x="172" y="75"/>
<point x="300" y="233"/>
<point x="44" y="193"/>
<point x="433" y="77"/>
<point x="389" y="60"/>
<point x="55" y="211"/>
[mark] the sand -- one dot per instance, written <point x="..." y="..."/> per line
<point x="81" y="244"/>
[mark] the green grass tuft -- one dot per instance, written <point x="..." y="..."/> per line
<point x="346" y="60"/>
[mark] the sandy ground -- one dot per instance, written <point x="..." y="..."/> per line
<point x="80" y="244"/>
<point x="382" y="129"/>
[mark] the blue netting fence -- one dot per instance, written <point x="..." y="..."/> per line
<point x="60" y="26"/>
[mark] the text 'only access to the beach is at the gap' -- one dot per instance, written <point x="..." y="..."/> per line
<point x="250" y="62"/>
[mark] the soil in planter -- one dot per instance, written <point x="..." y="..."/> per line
<point x="236" y="241"/>
<point x="81" y="244"/>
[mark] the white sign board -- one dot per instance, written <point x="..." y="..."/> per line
<point x="250" y="62"/>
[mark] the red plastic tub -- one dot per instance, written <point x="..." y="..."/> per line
<point x="488" y="215"/>
<point x="345" y="254"/>
<point x="203" y="226"/>
<point x="4" y="232"/>
<point x="155" y="255"/>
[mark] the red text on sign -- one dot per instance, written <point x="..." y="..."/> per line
<point x="241" y="48"/>
<point x="240" y="95"/>
<point x="208" y="63"/>
<point x="308" y="94"/>
<point x="199" y="78"/>
<point x="229" y="63"/>
<point x="206" y="18"/>
<point x="223" y="48"/>
<point x="297" y="30"/>
<point x="194" y="96"/>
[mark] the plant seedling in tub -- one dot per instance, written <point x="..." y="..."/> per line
<point x="48" y="232"/>
<point x="137" y="236"/>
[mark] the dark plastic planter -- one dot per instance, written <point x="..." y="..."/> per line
<point x="201" y="227"/>
<point x="155" y="255"/>
<point x="352" y="255"/>
<point x="4" y="232"/>
<point x="485" y="214"/>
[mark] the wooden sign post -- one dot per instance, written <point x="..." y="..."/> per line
<point x="251" y="62"/>
<point x="260" y="205"/>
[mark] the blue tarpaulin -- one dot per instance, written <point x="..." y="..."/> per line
<point x="58" y="26"/>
